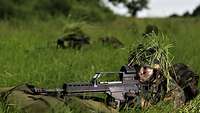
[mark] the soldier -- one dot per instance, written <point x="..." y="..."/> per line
<point x="114" y="42"/>
<point x="186" y="79"/>
<point x="150" y="29"/>
<point x="154" y="71"/>
<point x="154" y="65"/>
<point x="75" y="39"/>
<point x="61" y="43"/>
<point x="154" y="87"/>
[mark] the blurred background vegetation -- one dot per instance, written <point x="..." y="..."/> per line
<point x="85" y="10"/>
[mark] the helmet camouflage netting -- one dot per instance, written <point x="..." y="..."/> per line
<point x="154" y="49"/>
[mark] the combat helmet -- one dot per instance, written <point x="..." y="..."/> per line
<point x="154" y="52"/>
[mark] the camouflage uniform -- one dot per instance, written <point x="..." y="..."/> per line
<point x="153" y="51"/>
<point x="155" y="90"/>
<point x="152" y="91"/>
<point x="25" y="100"/>
<point x="175" y="94"/>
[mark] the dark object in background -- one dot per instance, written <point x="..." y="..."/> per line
<point x="61" y="43"/>
<point x="112" y="41"/>
<point x="196" y="11"/>
<point x="187" y="14"/>
<point x="174" y="15"/>
<point x="133" y="6"/>
<point x="75" y="41"/>
<point x="186" y="79"/>
<point x="150" y="29"/>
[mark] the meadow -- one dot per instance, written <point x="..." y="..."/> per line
<point x="28" y="52"/>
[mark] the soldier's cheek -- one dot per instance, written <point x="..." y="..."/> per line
<point x="149" y="72"/>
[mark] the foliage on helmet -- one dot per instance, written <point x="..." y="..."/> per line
<point x="151" y="50"/>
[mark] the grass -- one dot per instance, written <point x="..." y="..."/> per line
<point x="28" y="51"/>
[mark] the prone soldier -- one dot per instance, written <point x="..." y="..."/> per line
<point x="73" y="41"/>
<point x="75" y="38"/>
<point x="114" y="42"/>
<point x="157" y="82"/>
<point x="163" y="81"/>
<point x="151" y="29"/>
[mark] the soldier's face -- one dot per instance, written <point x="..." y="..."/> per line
<point x="145" y="73"/>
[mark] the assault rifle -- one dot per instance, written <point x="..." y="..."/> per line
<point x="118" y="92"/>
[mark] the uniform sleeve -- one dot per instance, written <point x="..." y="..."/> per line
<point x="175" y="93"/>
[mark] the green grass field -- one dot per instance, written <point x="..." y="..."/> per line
<point x="28" y="51"/>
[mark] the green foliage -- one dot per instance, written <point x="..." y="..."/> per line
<point x="153" y="49"/>
<point x="191" y="107"/>
<point x="52" y="7"/>
<point x="8" y="109"/>
<point x="28" y="51"/>
<point x="161" y="107"/>
<point x="8" y="9"/>
<point x="90" y="11"/>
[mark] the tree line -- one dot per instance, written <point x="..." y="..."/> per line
<point x="88" y="10"/>
<point x="195" y="13"/>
